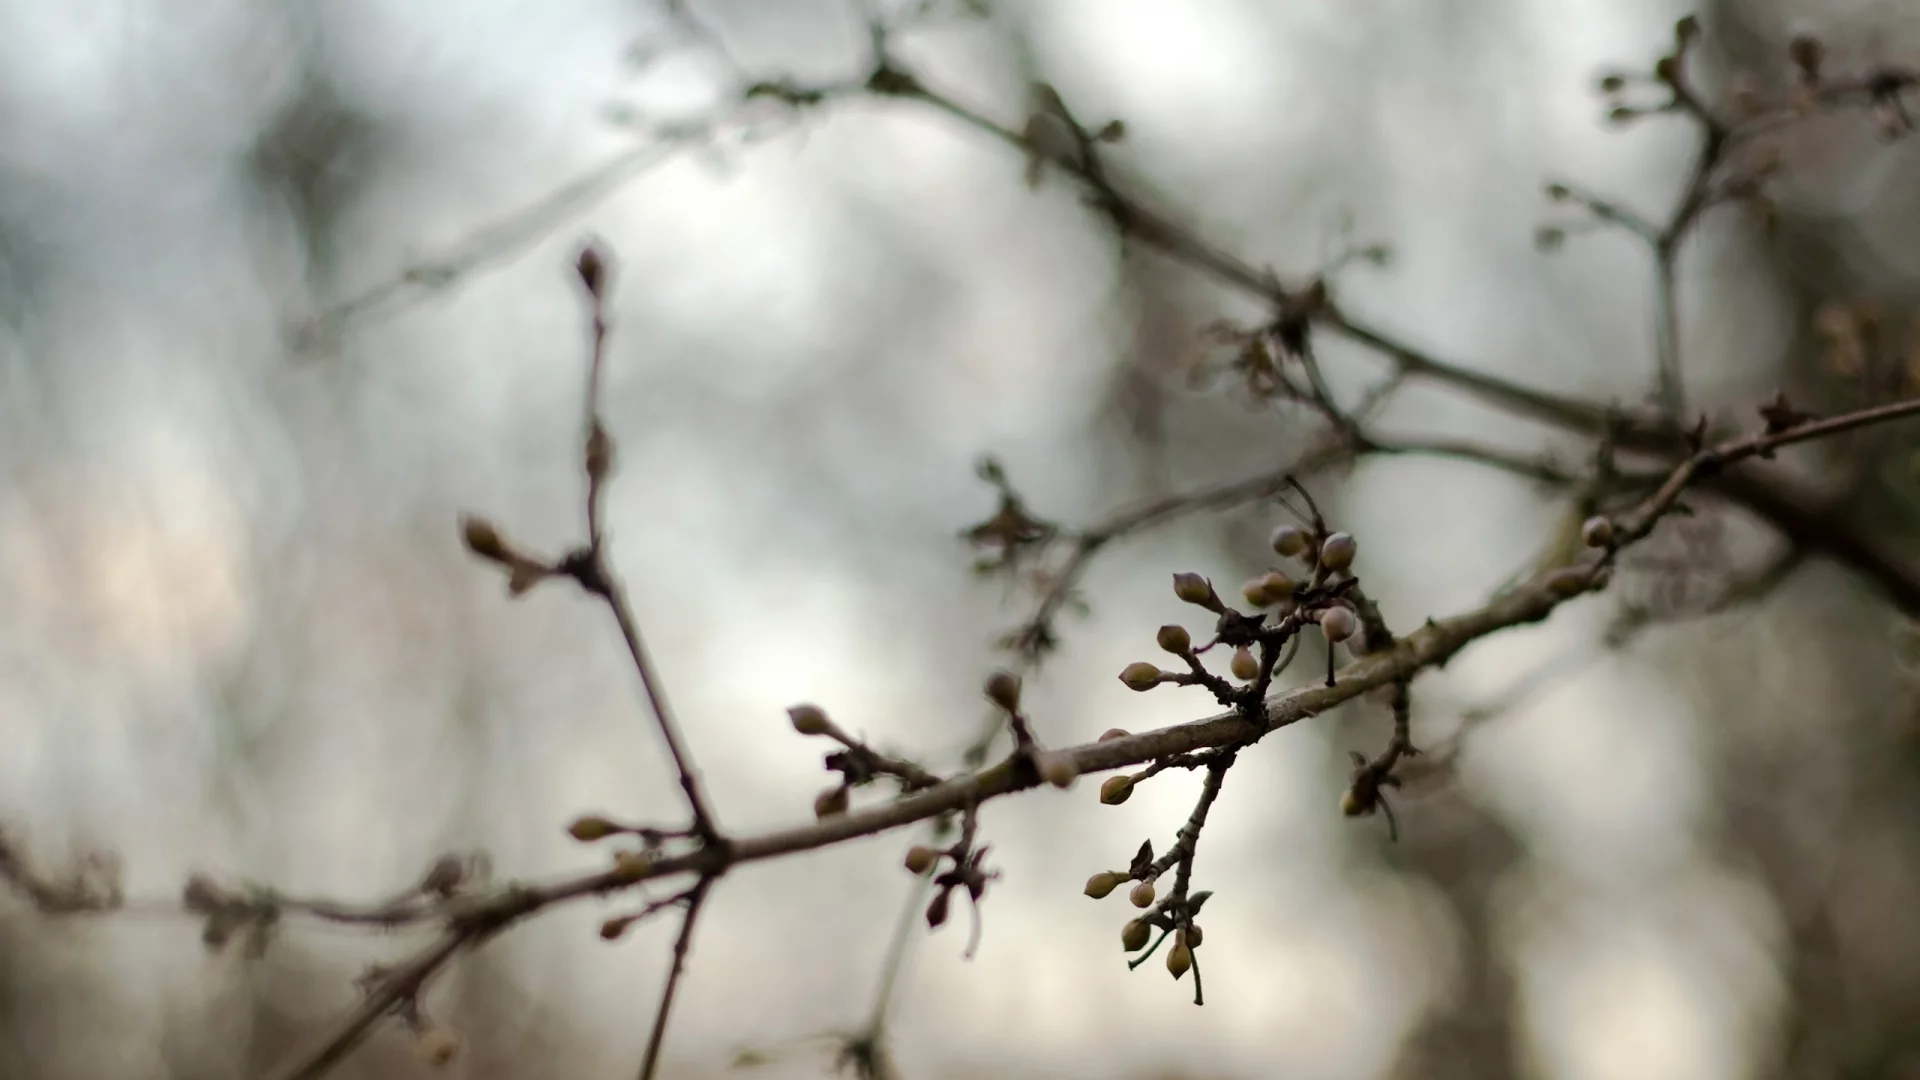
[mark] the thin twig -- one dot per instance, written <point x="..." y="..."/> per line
<point x="597" y="574"/>
<point x="695" y="900"/>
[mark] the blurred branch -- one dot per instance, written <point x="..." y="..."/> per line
<point x="476" y="920"/>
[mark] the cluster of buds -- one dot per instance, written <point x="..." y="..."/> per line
<point x="1281" y="604"/>
<point x="629" y="863"/>
<point x="855" y="763"/>
<point x="965" y="869"/>
<point x="1174" y="916"/>
<point x="1051" y="766"/>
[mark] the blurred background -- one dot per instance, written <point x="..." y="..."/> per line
<point x="284" y="290"/>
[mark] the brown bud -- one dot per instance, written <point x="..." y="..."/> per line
<point x="1111" y="734"/>
<point x="830" y="802"/>
<point x="1667" y="69"/>
<point x="592" y="270"/>
<point x="445" y="876"/>
<point x="1134" y="935"/>
<point x="1141" y="675"/>
<point x="1115" y="789"/>
<point x="437" y="1046"/>
<point x="937" y="910"/>
<point x="1195" y="589"/>
<point x="1338" y="623"/>
<point x="920" y="859"/>
<point x="525" y="574"/>
<point x="1192" y="936"/>
<point x="1003" y="689"/>
<point x="1351" y="804"/>
<point x="1102" y="884"/>
<point x="599" y="454"/>
<point x="1244" y="665"/>
<point x="1289" y="540"/>
<point x="1597" y="532"/>
<point x="202" y="896"/>
<point x="613" y="928"/>
<point x="1179" y="958"/>
<point x="591" y="827"/>
<point x="1141" y="895"/>
<point x="1056" y="768"/>
<point x="1337" y="552"/>
<point x="483" y="539"/>
<point x="1175" y="640"/>
<point x="809" y="719"/>
<point x="632" y="865"/>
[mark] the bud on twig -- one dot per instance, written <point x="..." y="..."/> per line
<point x="592" y="270"/>
<point x="1197" y="590"/>
<point x="830" y="802"/>
<point x="484" y="540"/>
<point x="591" y="827"/>
<point x="1244" y="665"/>
<point x="1056" y="768"/>
<point x="1116" y="789"/>
<point x="1338" y="551"/>
<point x="1175" y="640"/>
<point x="1133" y="936"/>
<point x="1289" y="540"/>
<point x="1141" y="895"/>
<point x="1102" y="884"/>
<point x="920" y="859"/>
<point x="1338" y="623"/>
<point x="1179" y="958"/>
<point x="1141" y="676"/>
<point x="1003" y="689"/>
<point x="809" y="720"/>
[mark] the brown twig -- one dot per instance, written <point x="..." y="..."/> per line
<point x="696" y="898"/>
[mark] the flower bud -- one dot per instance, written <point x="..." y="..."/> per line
<point x="592" y="269"/>
<point x="483" y="539"/>
<point x="1597" y="532"/>
<point x="1338" y="623"/>
<point x="1179" y="958"/>
<point x="920" y="859"/>
<point x="1289" y="540"/>
<point x="1191" y="935"/>
<point x="1195" y="589"/>
<point x="1115" y="789"/>
<point x="591" y="827"/>
<point x="1278" y="585"/>
<point x="830" y="802"/>
<point x="1141" y="895"/>
<point x="1244" y="665"/>
<point x="1056" y="768"/>
<point x="937" y="910"/>
<point x="809" y="720"/>
<point x="1133" y="936"/>
<point x="1337" y="552"/>
<point x="1111" y="734"/>
<point x="1175" y="640"/>
<point x="1141" y="675"/>
<point x="437" y="1047"/>
<point x="1003" y="689"/>
<point x="1102" y="884"/>
<point x="1351" y="806"/>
